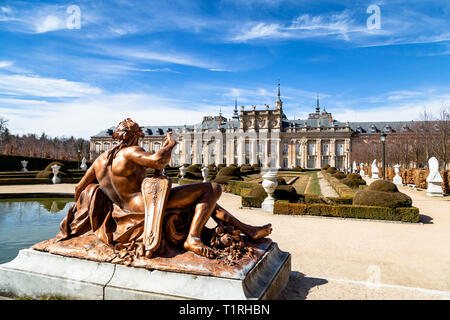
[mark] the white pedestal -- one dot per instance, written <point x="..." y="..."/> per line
<point x="435" y="189"/>
<point x="375" y="175"/>
<point x="267" y="205"/>
<point x="35" y="274"/>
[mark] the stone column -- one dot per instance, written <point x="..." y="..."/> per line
<point x="279" y="155"/>
<point x="305" y="154"/>
<point x="253" y="151"/>
<point x="319" y="153"/>
<point x="241" y="151"/>
<point x="333" y="152"/>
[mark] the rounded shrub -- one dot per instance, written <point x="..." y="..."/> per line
<point x="325" y="167"/>
<point x="229" y="171"/>
<point x="246" y="169"/>
<point x="339" y="175"/>
<point x="281" y="181"/>
<point x="383" y="185"/>
<point x="331" y="170"/>
<point x="382" y="193"/>
<point x="353" y="176"/>
<point x="353" y="183"/>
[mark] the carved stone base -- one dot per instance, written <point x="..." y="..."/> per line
<point x="35" y="274"/>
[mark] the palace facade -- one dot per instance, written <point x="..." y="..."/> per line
<point x="259" y="136"/>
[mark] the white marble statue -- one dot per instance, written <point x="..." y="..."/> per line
<point x="354" y="168"/>
<point x="83" y="164"/>
<point x="269" y="184"/>
<point x="375" y="170"/>
<point x="397" y="179"/>
<point x="434" y="179"/>
<point x="361" y="170"/>
<point x="24" y="165"/>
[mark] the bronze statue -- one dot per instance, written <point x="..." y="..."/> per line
<point x="127" y="211"/>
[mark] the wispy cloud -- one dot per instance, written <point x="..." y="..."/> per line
<point x="17" y="85"/>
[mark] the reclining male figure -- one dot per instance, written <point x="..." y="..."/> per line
<point x="120" y="172"/>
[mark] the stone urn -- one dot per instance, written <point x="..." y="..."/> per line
<point x="24" y="165"/>
<point x="55" y="169"/>
<point x="205" y="172"/>
<point x="397" y="179"/>
<point x="183" y="170"/>
<point x="269" y="184"/>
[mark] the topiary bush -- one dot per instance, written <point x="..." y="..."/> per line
<point x="231" y="171"/>
<point x="325" y="167"/>
<point x="47" y="173"/>
<point x="246" y="169"/>
<point x="194" y="172"/>
<point x="255" y="196"/>
<point x="331" y="170"/>
<point x="383" y="185"/>
<point x="281" y="181"/>
<point x="353" y="183"/>
<point x="353" y="176"/>
<point x="382" y="193"/>
<point x="339" y="175"/>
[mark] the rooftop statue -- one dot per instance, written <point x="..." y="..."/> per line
<point x="123" y="216"/>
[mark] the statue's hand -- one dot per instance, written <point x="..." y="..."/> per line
<point x="169" y="140"/>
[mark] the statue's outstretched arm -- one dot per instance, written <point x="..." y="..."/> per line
<point x="157" y="160"/>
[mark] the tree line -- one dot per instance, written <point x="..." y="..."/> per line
<point x="428" y="137"/>
<point x="42" y="146"/>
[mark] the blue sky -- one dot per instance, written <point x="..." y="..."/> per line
<point x="172" y="62"/>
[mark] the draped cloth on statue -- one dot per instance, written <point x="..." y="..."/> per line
<point x="95" y="212"/>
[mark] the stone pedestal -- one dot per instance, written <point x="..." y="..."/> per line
<point x="34" y="274"/>
<point x="435" y="189"/>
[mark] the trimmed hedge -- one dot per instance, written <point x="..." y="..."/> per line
<point x="343" y="190"/>
<point x="12" y="163"/>
<point x="348" y="211"/>
<point x="182" y="181"/>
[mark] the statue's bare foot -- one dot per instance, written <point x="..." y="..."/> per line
<point x="260" y="232"/>
<point x="197" y="246"/>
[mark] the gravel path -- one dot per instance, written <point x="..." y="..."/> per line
<point x="325" y="188"/>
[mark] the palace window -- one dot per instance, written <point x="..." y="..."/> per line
<point x="285" y="162"/>
<point x="326" y="149"/>
<point x="311" y="149"/>
<point x="298" y="149"/>
<point x="285" y="148"/>
<point x="106" y="146"/>
<point x="340" y="149"/>
<point x="97" y="147"/>
<point x="157" y="146"/>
